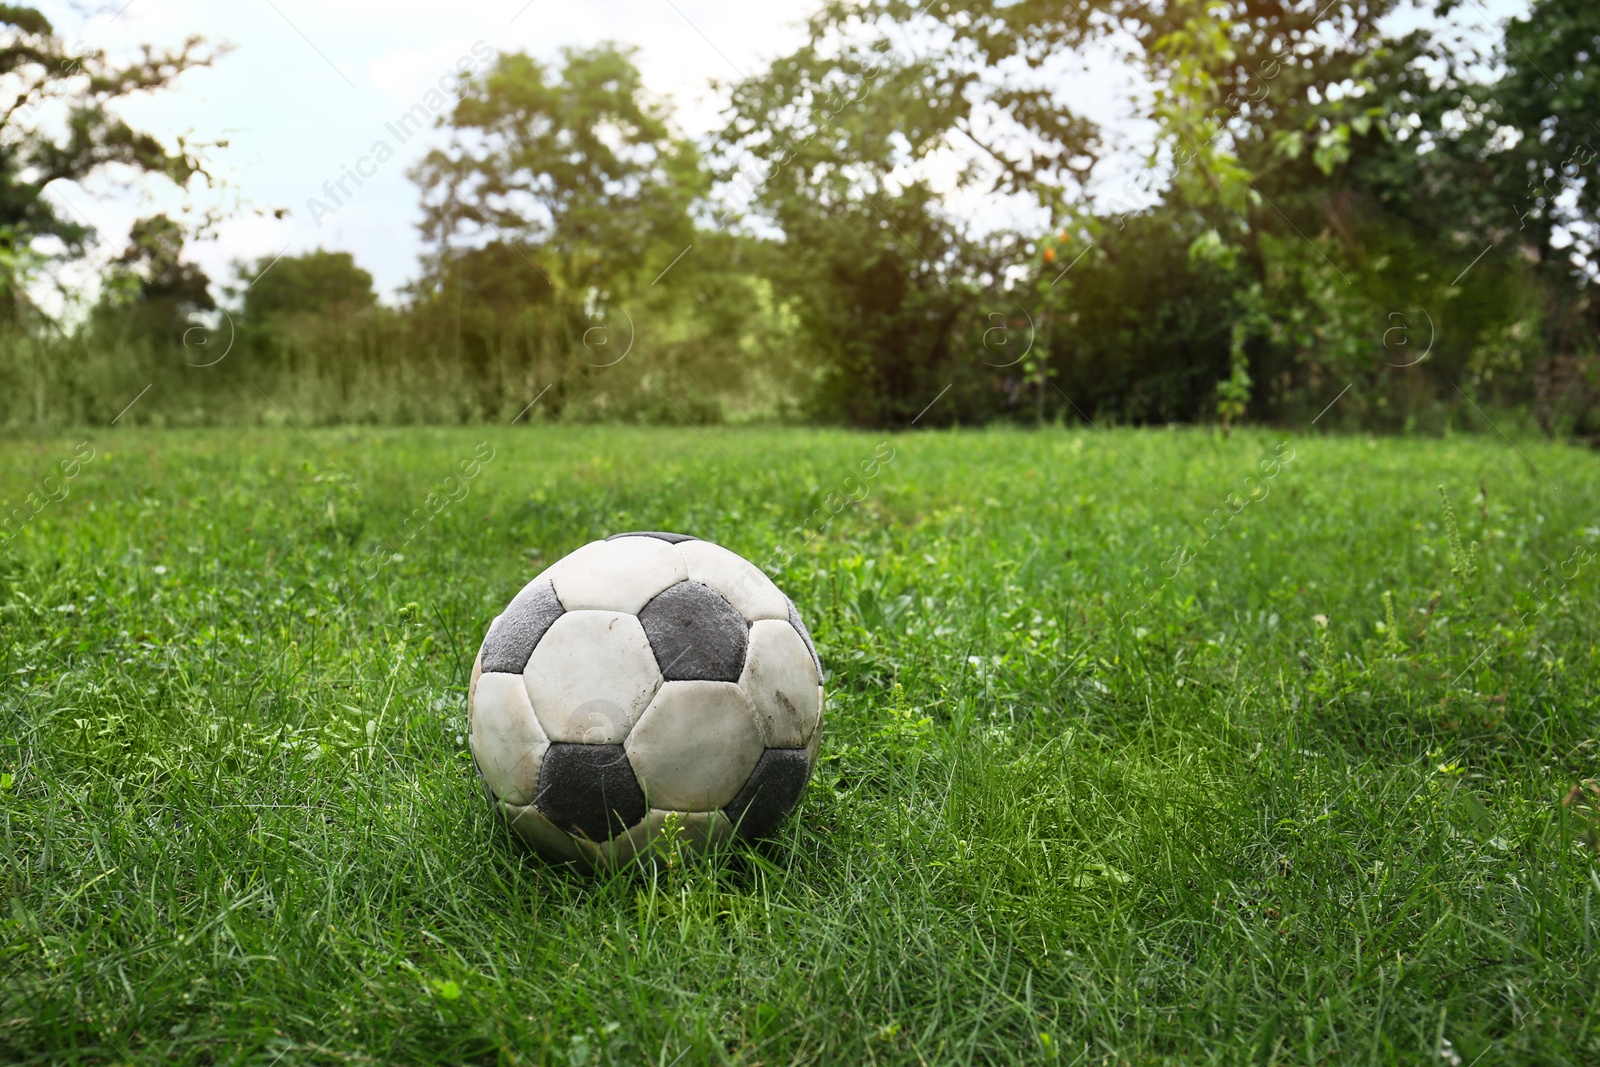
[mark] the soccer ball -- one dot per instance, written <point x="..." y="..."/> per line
<point x="647" y="689"/>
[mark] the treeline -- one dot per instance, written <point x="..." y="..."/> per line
<point x="1333" y="214"/>
<point x="306" y="340"/>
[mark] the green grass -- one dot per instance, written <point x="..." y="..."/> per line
<point x="1062" y="815"/>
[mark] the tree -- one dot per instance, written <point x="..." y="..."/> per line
<point x="1259" y="108"/>
<point x="1541" y="140"/>
<point x="843" y="133"/>
<point x="151" y="281"/>
<point x="316" y="283"/>
<point x="578" y="172"/>
<point x="1407" y="162"/>
<point x="1286" y="159"/>
<point x="1540" y="129"/>
<point x="59" y="123"/>
<point x="1293" y="137"/>
<point x="150" y="294"/>
<point x="560" y="200"/>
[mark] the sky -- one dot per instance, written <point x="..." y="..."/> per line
<point x="309" y="88"/>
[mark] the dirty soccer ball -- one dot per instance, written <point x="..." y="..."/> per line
<point x="647" y="688"/>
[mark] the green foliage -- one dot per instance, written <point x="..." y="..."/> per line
<point x="562" y="308"/>
<point x="561" y="219"/>
<point x="1533" y="139"/>
<point x="1334" y="209"/>
<point x="315" y="283"/>
<point x="888" y="286"/>
<point x="1233" y="393"/>
<point x="1315" y="797"/>
<point x="152" y="295"/>
<point x="154" y="264"/>
<point x="62" y="124"/>
<point x="1122" y="346"/>
<point x="580" y="169"/>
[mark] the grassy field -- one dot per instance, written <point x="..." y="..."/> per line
<point x="1142" y="747"/>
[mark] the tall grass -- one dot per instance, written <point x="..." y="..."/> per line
<point x="440" y="366"/>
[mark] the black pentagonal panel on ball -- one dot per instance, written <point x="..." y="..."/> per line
<point x="772" y="791"/>
<point x="519" y="628"/>
<point x="695" y="634"/>
<point x="589" y="790"/>
<point x="669" y="538"/>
